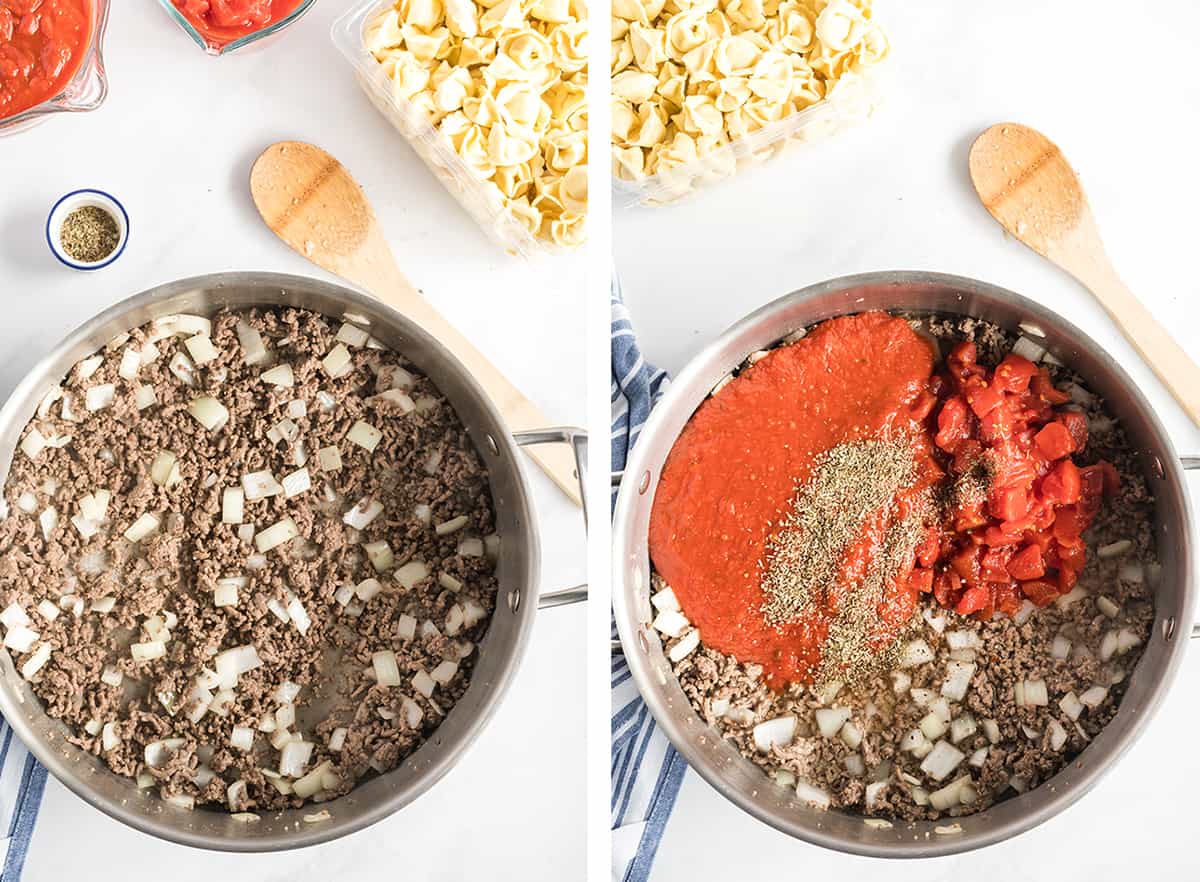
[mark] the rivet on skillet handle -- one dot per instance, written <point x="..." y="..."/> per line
<point x="1192" y="464"/>
<point x="578" y="440"/>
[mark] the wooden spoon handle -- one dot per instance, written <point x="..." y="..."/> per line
<point x="382" y="278"/>
<point x="1169" y="361"/>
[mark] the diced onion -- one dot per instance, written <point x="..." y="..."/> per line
<point x="201" y="349"/>
<point x="147" y="651"/>
<point x="295" y="483"/>
<point x="364" y="435"/>
<point x="962" y="639"/>
<point x="411" y="573"/>
<point x="329" y="459"/>
<point x="363" y="513"/>
<point x="451" y="526"/>
<point x="338" y="362"/>
<point x="277" y="534"/>
<point x="448" y="582"/>
<point x="852" y="735"/>
<point x="225" y="593"/>
<point x="812" y="795"/>
<point x="141" y="528"/>
<point x="311" y="784"/>
<point x="48" y="520"/>
<point x="387" y="671"/>
<point x="916" y="652"/>
<point x="294" y="757"/>
<point x="183" y="368"/>
<point x="208" y="412"/>
<point x="380" y="555"/>
<point x="145" y="396"/>
<point x="99" y="397"/>
<point x="352" y="335"/>
<point x="950" y="795"/>
<point x="1061" y="647"/>
<point x="112" y="676"/>
<point x="933" y="726"/>
<point x="1132" y="572"/>
<point x="34" y="663"/>
<point x="958" y="679"/>
<point x="1114" y="549"/>
<point x="672" y="624"/>
<point x="367" y="589"/>
<point x="423" y="513"/>
<point x="1094" y="697"/>
<point x="1058" y="735"/>
<point x="33" y="443"/>
<point x="131" y="363"/>
<point x="104" y="604"/>
<point x="406" y="627"/>
<point x="254" y="350"/>
<point x="109" y="737"/>
<point x="778" y="732"/>
<point x="164" y="469"/>
<point x="232" y="663"/>
<point x="444" y="672"/>
<point x="299" y="615"/>
<point x="685" y="647"/>
<point x="962" y="727"/>
<point x="242" y="738"/>
<point x="433" y="462"/>
<point x="942" y="760"/>
<point x="281" y="375"/>
<point x="1031" y="693"/>
<point x="396" y="397"/>
<point x="1071" y="706"/>
<point x="1026" y="348"/>
<point x="470" y="548"/>
<point x="337" y="739"/>
<point x="423" y="683"/>
<point x="831" y="719"/>
<point x="14" y="615"/>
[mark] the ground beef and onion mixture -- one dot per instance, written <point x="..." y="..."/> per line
<point x="969" y="710"/>
<point x="247" y="560"/>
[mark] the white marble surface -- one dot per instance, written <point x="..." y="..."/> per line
<point x="174" y="142"/>
<point x="895" y="194"/>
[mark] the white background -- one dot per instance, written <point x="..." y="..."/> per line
<point x="1115" y="85"/>
<point x="174" y="143"/>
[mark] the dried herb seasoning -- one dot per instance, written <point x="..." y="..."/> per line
<point x="89" y="234"/>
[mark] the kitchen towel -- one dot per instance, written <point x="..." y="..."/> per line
<point x="22" y="780"/>
<point x="646" y="770"/>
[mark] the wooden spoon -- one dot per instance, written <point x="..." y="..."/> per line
<point x="314" y="205"/>
<point x="1027" y="184"/>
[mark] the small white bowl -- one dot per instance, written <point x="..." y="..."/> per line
<point x="80" y="199"/>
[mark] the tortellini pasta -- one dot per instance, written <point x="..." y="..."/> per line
<point x="689" y="77"/>
<point x="503" y="83"/>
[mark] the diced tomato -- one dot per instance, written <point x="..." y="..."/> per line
<point x="953" y="424"/>
<point x="1013" y="374"/>
<point x="994" y="564"/>
<point x="966" y="562"/>
<point x="983" y="398"/>
<point x="1055" y="441"/>
<point x="922" y="405"/>
<point x="1040" y="592"/>
<point x="998" y="424"/>
<point x="1027" y="564"/>
<point x="946" y="586"/>
<point x="1063" y="485"/>
<point x="1008" y="503"/>
<point x="921" y="580"/>
<point x="1069" y="524"/>
<point x="1076" y="424"/>
<point x="928" y="550"/>
<point x="1071" y="555"/>
<point x="1044" y="388"/>
<point x="973" y="600"/>
<point x="1007" y="597"/>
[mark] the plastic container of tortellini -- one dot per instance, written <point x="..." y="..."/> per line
<point x="853" y="99"/>
<point x="431" y="145"/>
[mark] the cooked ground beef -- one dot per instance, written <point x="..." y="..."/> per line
<point x="308" y="607"/>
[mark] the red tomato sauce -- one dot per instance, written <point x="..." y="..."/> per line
<point x="42" y="45"/>
<point x="223" y="21"/>
<point x="734" y="470"/>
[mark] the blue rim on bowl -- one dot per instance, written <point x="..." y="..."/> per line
<point x="85" y="196"/>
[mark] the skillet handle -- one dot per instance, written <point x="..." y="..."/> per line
<point x="1191" y="464"/>
<point x="578" y="439"/>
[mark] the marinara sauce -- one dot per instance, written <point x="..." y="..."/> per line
<point x="42" y="45"/>
<point x="221" y="22"/>
<point x="733" y="472"/>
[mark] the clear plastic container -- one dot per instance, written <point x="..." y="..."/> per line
<point x="851" y="101"/>
<point x="429" y="143"/>
<point x="214" y="47"/>
<point x="87" y="89"/>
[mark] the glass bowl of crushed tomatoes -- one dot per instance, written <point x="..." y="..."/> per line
<point x="50" y="59"/>
<point x="222" y="26"/>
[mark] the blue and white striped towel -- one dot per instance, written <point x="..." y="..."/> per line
<point x="22" y="780"/>
<point x="646" y="770"/>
